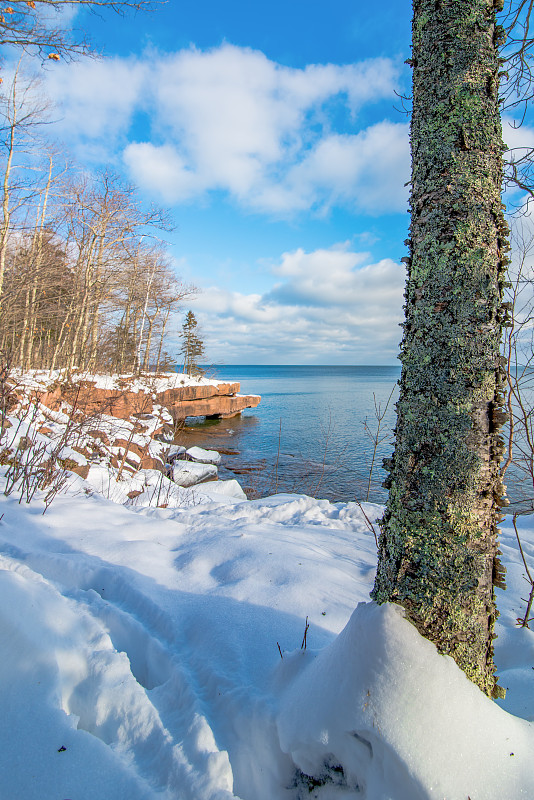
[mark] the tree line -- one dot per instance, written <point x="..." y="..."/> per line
<point x="85" y="280"/>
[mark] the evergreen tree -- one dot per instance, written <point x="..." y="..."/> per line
<point x="192" y="349"/>
<point x="438" y="554"/>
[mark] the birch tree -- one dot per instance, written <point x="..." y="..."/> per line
<point x="22" y="110"/>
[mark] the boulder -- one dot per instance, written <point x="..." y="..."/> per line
<point x="174" y="451"/>
<point x="204" y="456"/>
<point x="189" y="473"/>
<point x="229" y="488"/>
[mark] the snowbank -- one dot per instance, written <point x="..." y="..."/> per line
<point x="145" y="641"/>
<point x="380" y="713"/>
<point x="37" y="379"/>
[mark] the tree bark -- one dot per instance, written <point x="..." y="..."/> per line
<point x="6" y="184"/>
<point x="438" y="553"/>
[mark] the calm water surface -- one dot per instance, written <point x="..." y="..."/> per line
<point x="308" y="433"/>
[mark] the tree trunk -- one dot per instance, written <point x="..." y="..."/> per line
<point x="148" y="343"/>
<point x="438" y="547"/>
<point x="162" y="338"/>
<point x="6" y="184"/>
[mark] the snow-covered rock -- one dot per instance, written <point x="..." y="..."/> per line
<point x="175" y="450"/>
<point x="229" y="488"/>
<point x="204" y="456"/>
<point x="189" y="473"/>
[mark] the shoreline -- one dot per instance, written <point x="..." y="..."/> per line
<point x="118" y="433"/>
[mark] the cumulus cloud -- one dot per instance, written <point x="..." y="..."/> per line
<point x="368" y="170"/>
<point x="274" y="138"/>
<point x="516" y="135"/>
<point x="161" y="170"/>
<point x="330" y="306"/>
<point x="96" y="102"/>
<point x="335" y="277"/>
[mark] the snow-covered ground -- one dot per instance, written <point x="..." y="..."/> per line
<point x="147" y="382"/>
<point x="153" y="652"/>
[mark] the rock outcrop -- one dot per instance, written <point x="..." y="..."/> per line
<point x="213" y="400"/>
<point x="116" y="433"/>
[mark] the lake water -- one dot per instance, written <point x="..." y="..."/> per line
<point x="308" y="434"/>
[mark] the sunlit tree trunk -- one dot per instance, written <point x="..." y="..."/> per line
<point x="85" y="268"/>
<point x="438" y="548"/>
<point x="12" y="120"/>
<point x="36" y="264"/>
<point x="162" y="337"/>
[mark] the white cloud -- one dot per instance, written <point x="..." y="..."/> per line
<point x="242" y="123"/>
<point x="516" y="135"/>
<point x="274" y="138"/>
<point x="97" y="99"/>
<point x="161" y="170"/>
<point x="332" y="306"/>
<point x="368" y="170"/>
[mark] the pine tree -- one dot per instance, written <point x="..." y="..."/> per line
<point x="192" y="349"/>
<point x="438" y="554"/>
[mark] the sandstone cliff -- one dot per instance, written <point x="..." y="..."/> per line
<point x="210" y="398"/>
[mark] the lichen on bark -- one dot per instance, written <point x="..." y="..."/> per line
<point x="438" y="553"/>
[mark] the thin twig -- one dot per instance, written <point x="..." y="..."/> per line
<point x="368" y="522"/>
<point x="304" y="640"/>
<point x="526" y="619"/>
<point x="375" y="436"/>
<point x="277" y="457"/>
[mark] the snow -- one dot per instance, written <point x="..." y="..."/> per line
<point x="219" y="489"/>
<point x="152" y="641"/>
<point x="188" y="473"/>
<point x="145" y="383"/>
<point x="175" y="450"/>
<point x="145" y="641"/>
<point x="204" y="456"/>
<point x="403" y="722"/>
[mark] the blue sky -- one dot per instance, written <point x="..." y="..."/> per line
<point x="274" y="133"/>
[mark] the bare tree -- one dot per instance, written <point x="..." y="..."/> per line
<point x="22" y="111"/>
<point x="37" y="26"/>
<point x="518" y="352"/>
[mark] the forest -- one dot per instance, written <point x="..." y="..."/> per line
<point x="85" y="278"/>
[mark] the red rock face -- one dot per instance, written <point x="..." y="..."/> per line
<point x="221" y="400"/>
<point x="221" y="406"/>
<point x="183" y="393"/>
<point x="80" y="469"/>
<point x="137" y="456"/>
<point x="114" y="402"/>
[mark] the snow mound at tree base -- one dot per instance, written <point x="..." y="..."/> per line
<point x="380" y="714"/>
